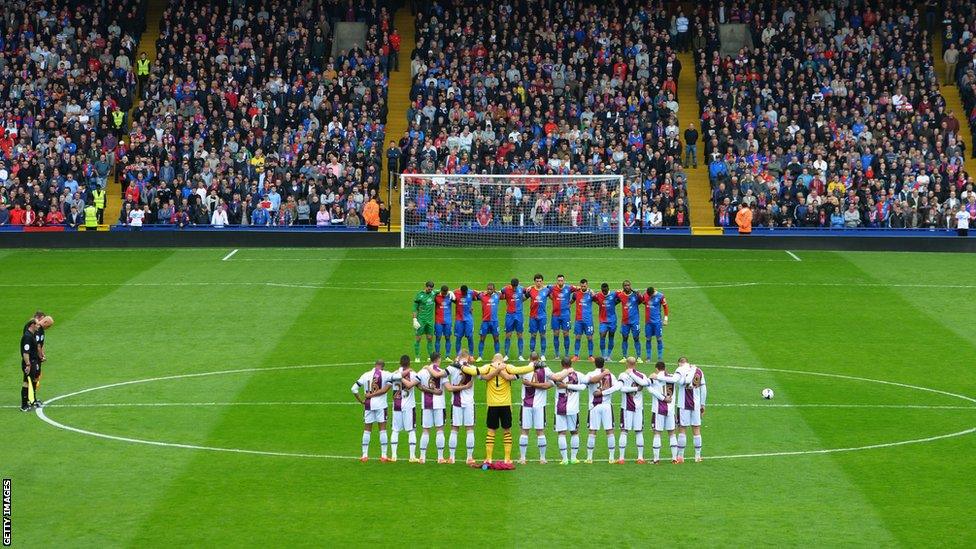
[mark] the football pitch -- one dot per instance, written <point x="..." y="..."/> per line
<point x="202" y="397"/>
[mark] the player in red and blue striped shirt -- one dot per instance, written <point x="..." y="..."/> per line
<point x="463" y="318"/>
<point x="630" y="302"/>
<point x="538" y="294"/>
<point x="654" y="301"/>
<point x="583" y="297"/>
<point x="561" y="295"/>
<point x="442" y="319"/>
<point x="514" y="294"/>
<point x="607" y="303"/>
<point x="489" y="317"/>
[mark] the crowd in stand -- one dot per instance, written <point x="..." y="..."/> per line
<point x="833" y="119"/>
<point x="959" y="55"/>
<point x="247" y="118"/>
<point x="547" y="88"/>
<point x="66" y="82"/>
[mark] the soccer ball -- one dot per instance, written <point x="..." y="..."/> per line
<point x="767" y="393"/>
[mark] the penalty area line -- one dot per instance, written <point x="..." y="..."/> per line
<point x="230" y="255"/>
<point x="793" y="255"/>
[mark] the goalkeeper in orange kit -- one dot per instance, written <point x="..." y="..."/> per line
<point x="499" y="376"/>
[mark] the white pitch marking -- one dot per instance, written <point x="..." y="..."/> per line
<point x="842" y="376"/>
<point x="793" y="255"/>
<point x="561" y="258"/>
<point x="344" y="403"/>
<point x="230" y="255"/>
<point x="40" y="413"/>
<point x="328" y="285"/>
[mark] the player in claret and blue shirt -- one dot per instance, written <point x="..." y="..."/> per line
<point x="442" y="319"/>
<point x="654" y="301"/>
<point x="514" y="294"/>
<point x="463" y="318"/>
<point x="583" y="297"/>
<point x="489" y="317"/>
<point x="561" y="295"/>
<point x="607" y="302"/>
<point x="630" y="318"/>
<point x="538" y="294"/>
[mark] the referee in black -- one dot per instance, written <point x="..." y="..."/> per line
<point x="30" y="364"/>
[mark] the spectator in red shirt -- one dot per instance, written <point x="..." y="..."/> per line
<point x="395" y="50"/>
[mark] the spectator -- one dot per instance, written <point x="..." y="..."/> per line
<point x="812" y="120"/>
<point x="322" y="218"/>
<point x="219" y="217"/>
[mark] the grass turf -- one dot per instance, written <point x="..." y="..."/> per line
<point x="133" y="314"/>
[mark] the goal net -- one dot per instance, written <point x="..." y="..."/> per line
<point x="511" y="210"/>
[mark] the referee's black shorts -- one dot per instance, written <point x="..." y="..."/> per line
<point x="500" y="416"/>
<point x="35" y="371"/>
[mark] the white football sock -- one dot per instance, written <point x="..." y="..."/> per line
<point x="623" y="444"/>
<point x="383" y="443"/>
<point x="682" y="439"/>
<point x="394" y="439"/>
<point x="590" y="443"/>
<point x="523" y="445"/>
<point x="470" y="443"/>
<point x="639" y="437"/>
<point x="542" y="443"/>
<point x="424" y="440"/>
<point x="673" y="441"/>
<point x="439" y="440"/>
<point x="656" y="446"/>
<point x="574" y="444"/>
<point x="452" y="444"/>
<point x="562" y="446"/>
<point x="611" y="444"/>
<point x="366" y="435"/>
<point x="697" y="441"/>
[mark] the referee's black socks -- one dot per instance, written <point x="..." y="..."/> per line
<point x="23" y="397"/>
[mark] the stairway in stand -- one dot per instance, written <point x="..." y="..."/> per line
<point x="953" y="101"/>
<point x="147" y="43"/>
<point x="398" y="101"/>
<point x="699" y="189"/>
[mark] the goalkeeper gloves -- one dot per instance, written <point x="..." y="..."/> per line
<point x="416" y="324"/>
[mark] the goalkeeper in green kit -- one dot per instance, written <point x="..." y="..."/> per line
<point x="423" y="319"/>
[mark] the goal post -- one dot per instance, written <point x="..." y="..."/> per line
<point x="511" y="210"/>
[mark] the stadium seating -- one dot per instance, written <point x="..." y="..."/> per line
<point x="66" y="75"/>
<point x="834" y="119"/>
<point x="582" y="88"/>
<point x="246" y="110"/>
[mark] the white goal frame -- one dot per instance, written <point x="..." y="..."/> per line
<point x="618" y="179"/>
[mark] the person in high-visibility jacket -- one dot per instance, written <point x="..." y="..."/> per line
<point x="743" y="218"/>
<point x="371" y="215"/>
<point x="118" y="118"/>
<point x="98" y="195"/>
<point x="91" y="218"/>
<point x="142" y="73"/>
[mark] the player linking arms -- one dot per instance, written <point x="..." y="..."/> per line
<point x="499" y="376"/>
<point x="374" y="384"/>
<point x="692" y="394"/>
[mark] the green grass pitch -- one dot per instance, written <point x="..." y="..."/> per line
<point x="854" y="450"/>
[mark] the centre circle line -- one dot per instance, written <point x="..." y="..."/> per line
<point x="43" y="416"/>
